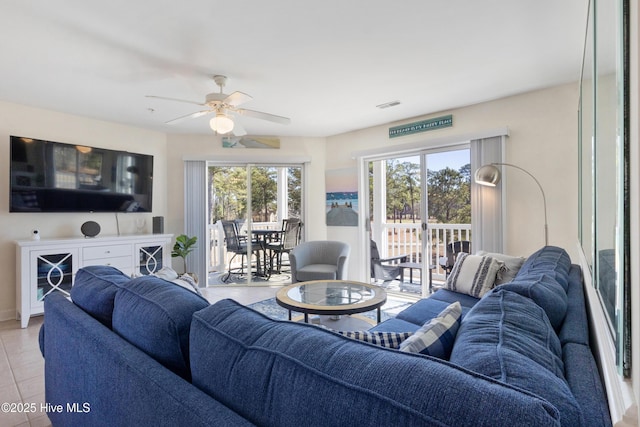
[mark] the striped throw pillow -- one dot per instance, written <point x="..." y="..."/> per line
<point x="473" y="274"/>
<point x="436" y="337"/>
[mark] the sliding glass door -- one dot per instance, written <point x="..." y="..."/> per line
<point x="254" y="197"/>
<point x="418" y="204"/>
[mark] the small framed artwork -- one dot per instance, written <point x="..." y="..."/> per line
<point x="250" y="142"/>
<point x="342" y="197"/>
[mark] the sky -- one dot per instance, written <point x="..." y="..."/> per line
<point x="438" y="161"/>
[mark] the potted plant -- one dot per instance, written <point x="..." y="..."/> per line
<point x="184" y="246"/>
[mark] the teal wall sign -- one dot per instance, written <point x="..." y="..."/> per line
<point x="422" y="126"/>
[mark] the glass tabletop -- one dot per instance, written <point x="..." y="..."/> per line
<point x="332" y="295"/>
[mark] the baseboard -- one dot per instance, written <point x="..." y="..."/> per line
<point x="7" y="315"/>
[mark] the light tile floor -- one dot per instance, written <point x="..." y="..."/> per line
<point x="22" y="365"/>
<point x="21" y="375"/>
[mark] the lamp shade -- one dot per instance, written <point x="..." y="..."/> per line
<point x="221" y="124"/>
<point x="488" y="175"/>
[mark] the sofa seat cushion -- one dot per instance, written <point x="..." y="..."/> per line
<point x="422" y="311"/>
<point x="316" y="272"/>
<point x="508" y="337"/>
<point x="283" y="374"/>
<point x="395" y="325"/>
<point x="584" y="379"/>
<point x="466" y="301"/>
<point x="545" y="291"/>
<point x="94" y="290"/>
<point x="155" y="316"/>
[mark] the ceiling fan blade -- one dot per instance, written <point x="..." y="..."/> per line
<point x="264" y="116"/>
<point x="174" y="99"/>
<point x="238" y="130"/>
<point x="237" y="98"/>
<point x="189" y="116"/>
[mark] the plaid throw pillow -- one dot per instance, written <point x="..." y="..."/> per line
<point x="436" y="337"/>
<point x="384" y="339"/>
<point x="473" y="274"/>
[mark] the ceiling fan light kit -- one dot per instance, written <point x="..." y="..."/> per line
<point x="221" y="124"/>
<point x="224" y="106"/>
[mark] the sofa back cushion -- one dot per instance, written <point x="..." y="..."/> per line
<point x="545" y="291"/>
<point x="278" y="373"/>
<point x="155" y="316"/>
<point x="551" y="260"/>
<point x="94" y="290"/>
<point x="508" y="337"/>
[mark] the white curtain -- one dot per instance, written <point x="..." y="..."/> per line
<point x="487" y="207"/>
<point x="195" y="216"/>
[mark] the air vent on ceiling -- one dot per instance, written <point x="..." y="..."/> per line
<point x="388" y="104"/>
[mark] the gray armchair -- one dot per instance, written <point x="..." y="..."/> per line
<point x="319" y="260"/>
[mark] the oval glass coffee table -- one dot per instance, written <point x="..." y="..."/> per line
<point x="331" y="297"/>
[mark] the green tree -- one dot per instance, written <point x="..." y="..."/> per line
<point x="294" y="184"/>
<point x="450" y="195"/>
<point x="264" y="192"/>
<point x="228" y="192"/>
<point x="396" y="197"/>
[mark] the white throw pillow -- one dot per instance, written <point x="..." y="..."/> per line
<point x="166" y="273"/>
<point x="512" y="265"/>
<point x="473" y="275"/>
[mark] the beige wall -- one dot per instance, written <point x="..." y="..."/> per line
<point x="45" y="124"/>
<point x="543" y="140"/>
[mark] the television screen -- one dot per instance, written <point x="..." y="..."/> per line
<point x="51" y="176"/>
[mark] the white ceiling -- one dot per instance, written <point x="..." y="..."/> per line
<point x="324" y="64"/>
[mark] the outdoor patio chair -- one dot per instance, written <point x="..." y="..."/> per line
<point x="385" y="269"/>
<point x="289" y="239"/>
<point x="238" y="246"/>
<point x="453" y="249"/>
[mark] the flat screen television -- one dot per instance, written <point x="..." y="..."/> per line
<point x="47" y="176"/>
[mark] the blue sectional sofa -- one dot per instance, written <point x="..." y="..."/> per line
<point x="146" y="352"/>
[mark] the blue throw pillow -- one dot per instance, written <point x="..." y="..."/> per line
<point x="94" y="290"/>
<point x="436" y="337"/>
<point x="155" y="316"/>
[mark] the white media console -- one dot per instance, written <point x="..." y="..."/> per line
<point x="46" y="266"/>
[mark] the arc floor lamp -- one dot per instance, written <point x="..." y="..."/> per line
<point x="489" y="175"/>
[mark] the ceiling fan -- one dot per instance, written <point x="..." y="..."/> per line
<point x="224" y="107"/>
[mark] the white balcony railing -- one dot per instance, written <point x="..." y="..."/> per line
<point x="400" y="239"/>
<point x="405" y="239"/>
